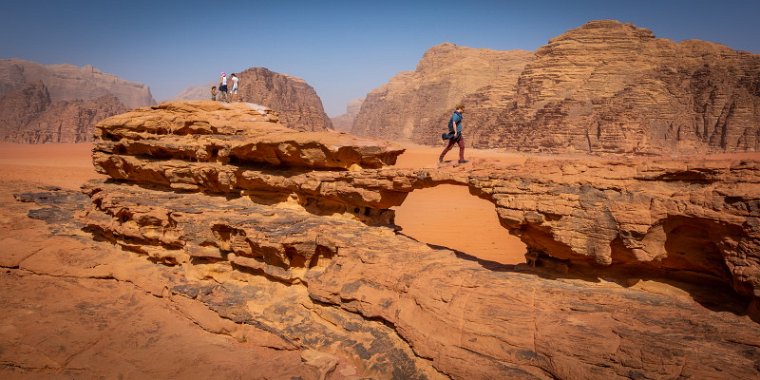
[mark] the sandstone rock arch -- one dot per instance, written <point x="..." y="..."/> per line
<point x="601" y="212"/>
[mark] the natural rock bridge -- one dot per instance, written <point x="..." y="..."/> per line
<point x="224" y="186"/>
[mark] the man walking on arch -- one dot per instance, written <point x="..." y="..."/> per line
<point x="455" y="133"/>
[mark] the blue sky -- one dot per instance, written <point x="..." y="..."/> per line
<point x="343" y="49"/>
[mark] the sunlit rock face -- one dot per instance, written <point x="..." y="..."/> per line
<point x="295" y="100"/>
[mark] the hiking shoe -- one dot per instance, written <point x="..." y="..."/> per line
<point x="463" y="161"/>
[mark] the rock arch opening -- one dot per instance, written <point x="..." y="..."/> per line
<point x="449" y="216"/>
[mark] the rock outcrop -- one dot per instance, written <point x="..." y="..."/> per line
<point x="605" y="87"/>
<point x="68" y="82"/>
<point x="343" y="123"/>
<point x="297" y="103"/>
<point x="410" y="106"/>
<point x="28" y="115"/>
<point x="226" y="192"/>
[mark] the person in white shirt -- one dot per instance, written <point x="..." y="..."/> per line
<point x="223" y="93"/>
<point x="235" y="81"/>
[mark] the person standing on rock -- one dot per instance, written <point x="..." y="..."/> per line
<point x="455" y="131"/>
<point x="235" y="81"/>
<point x="223" y="93"/>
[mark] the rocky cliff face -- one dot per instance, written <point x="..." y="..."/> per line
<point x="411" y="106"/>
<point x="68" y="82"/>
<point x="613" y="87"/>
<point x="295" y="227"/>
<point x="296" y="102"/>
<point x="605" y="87"/>
<point x="344" y="122"/>
<point x="28" y="115"/>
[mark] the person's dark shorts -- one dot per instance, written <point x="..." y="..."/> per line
<point x="223" y="88"/>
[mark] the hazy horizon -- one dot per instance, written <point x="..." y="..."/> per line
<point x="342" y="49"/>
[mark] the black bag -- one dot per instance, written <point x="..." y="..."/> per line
<point x="448" y="136"/>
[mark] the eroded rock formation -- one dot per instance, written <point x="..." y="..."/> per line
<point x="297" y="103"/>
<point x="28" y="115"/>
<point x="613" y="87"/>
<point x="226" y="192"/>
<point x="60" y="103"/>
<point x="605" y="87"/>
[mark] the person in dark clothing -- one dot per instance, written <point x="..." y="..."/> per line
<point x="455" y="131"/>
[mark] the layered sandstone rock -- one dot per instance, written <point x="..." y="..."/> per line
<point x="456" y="318"/>
<point x="654" y="213"/>
<point x="227" y="193"/>
<point x="28" y="115"/>
<point x="344" y="122"/>
<point x="68" y="82"/>
<point x="605" y="87"/>
<point x="297" y="103"/>
<point x="410" y="106"/>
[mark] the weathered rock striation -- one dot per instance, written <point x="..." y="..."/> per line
<point x="410" y="106"/>
<point x="605" y="87"/>
<point x="28" y="115"/>
<point x="613" y="87"/>
<point x="297" y="103"/>
<point x="224" y="190"/>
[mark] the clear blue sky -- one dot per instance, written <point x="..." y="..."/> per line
<point x="343" y="49"/>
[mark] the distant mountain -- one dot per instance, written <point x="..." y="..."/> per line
<point x="604" y="87"/>
<point x="411" y="105"/>
<point x="200" y="92"/>
<point x="68" y="82"/>
<point x="60" y="103"/>
<point x="28" y="115"/>
<point x="344" y="122"/>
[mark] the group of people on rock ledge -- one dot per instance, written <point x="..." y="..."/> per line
<point x="224" y="94"/>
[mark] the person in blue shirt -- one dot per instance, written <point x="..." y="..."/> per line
<point x="455" y="133"/>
